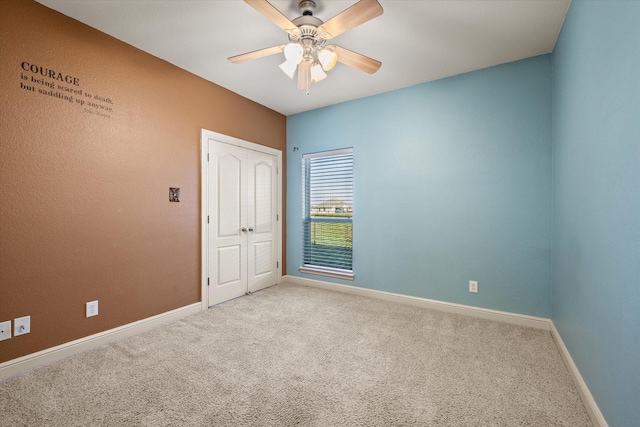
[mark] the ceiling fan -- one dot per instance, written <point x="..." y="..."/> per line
<point x="307" y="50"/>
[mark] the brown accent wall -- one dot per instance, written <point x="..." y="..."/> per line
<point x="84" y="191"/>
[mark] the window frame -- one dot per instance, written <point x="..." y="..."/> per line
<point x="307" y="218"/>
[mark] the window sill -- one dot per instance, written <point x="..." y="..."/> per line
<point x="337" y="274"/>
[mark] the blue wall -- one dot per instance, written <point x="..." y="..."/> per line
<point x="596" y="221"/>
<point x="452" y="183"/>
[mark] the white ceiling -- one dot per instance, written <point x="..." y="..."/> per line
<point x="417" y="41"/>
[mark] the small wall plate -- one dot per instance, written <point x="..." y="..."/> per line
<point x="21" y="325"/>
<point x="5" y="330"/>
<point x="91" y="308"/>
<point x="174" y="194"/>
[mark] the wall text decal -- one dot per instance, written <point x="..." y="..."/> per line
<point x="65" y="87"/>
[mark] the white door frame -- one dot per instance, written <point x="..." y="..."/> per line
<point x="208" y="135"/>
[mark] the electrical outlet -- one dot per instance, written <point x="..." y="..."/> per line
<point x="92" y="308"/>
<point x="5" y="330"/>
<point x="21" y="325"/>
<point x="473" y="286"/>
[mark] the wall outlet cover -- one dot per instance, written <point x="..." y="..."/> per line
<point x="92" y="308"/>
<point x="473" y="286"/>
<point x="5" y="330"/>
<point x="21" y="325"/>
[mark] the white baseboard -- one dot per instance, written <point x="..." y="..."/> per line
<point x="587" y="398"/>
<point x="49" y="355"/>
<point x="483" y="313"/>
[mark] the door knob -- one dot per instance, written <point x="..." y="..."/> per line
<point x="244" y="229"/>
<point x="251" y="229"/>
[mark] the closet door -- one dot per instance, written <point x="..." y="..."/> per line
<point x="228" y="224"/>
<point x="262" y="210"/>
<point x="242" y="249"/>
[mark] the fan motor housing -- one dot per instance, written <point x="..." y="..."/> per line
<point x="307" y="20"/>
<point x="308" y="26"/>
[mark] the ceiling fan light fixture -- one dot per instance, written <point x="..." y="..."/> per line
<point x="306" y="52"/>
<point x="289" y="67"/>
<point x="294" y="52"/>
<point x="317" y="74"/>
<point x="327" y="58"/>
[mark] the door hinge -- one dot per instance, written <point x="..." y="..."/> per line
<point x="277" y="264"/>
<point x="208" y="281"/>
<point x="277" y="217"/>
<point x="207" y="219"/>
<point x="207" y="157"/>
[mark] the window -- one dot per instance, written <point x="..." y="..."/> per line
<point x="328" y="213"/>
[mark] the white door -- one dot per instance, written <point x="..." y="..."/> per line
<point x="262" y="221"/>
<point x="242" y="237"/>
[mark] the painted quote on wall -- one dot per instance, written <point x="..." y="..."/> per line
<point x="65" y="87"/>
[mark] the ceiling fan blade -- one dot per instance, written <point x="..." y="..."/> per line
<point x="256" y="54"/>
<point x="304" y="75"/>
<point x="356" y="60"/>
<point x="274" y="15"/>
<point x="359" y="13"/>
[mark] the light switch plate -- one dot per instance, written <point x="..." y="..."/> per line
<point x="5" y="330"/>
<point x="174" y="194"/>
<point x="21" y="325"/>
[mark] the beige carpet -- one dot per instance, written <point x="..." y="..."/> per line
<point x="292" y="355"/>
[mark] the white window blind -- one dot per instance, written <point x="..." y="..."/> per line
<point x="328" y="211"/>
